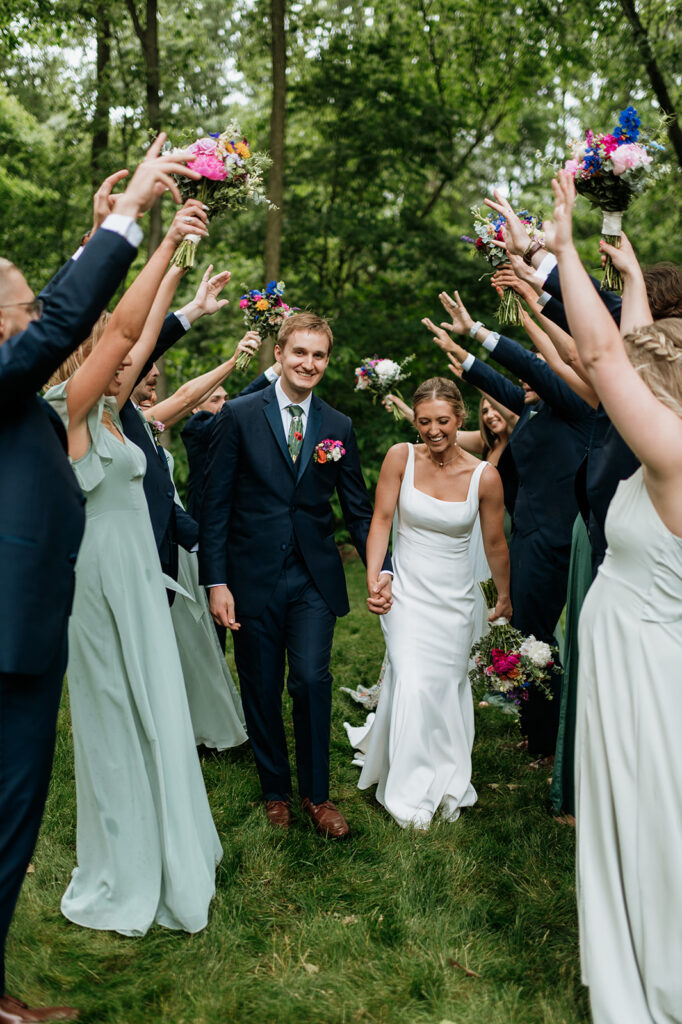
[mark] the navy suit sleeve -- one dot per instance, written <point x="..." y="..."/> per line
<point x="494" y="384"/>
<point x="170" y="332"/>
<point x="216" y="501"/>
<point x="48" y="289"/>
<point x="554" y="311"/>
<point x="355" y="503"/>
<point x="257" y="384"/>
<point x="549" y="386"/>
<point x="187" y="528"/>
<point x="29" y="358"/>
<point x="612" y="301"/>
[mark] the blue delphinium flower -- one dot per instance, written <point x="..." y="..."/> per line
<point x="271" y="288"/>
<point x="591" y="162"/>
<point x="628" y="126"/>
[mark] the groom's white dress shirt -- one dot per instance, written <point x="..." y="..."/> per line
<point x="284" y="402"/>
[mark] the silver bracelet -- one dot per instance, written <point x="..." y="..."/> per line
<point x="473" y="331"/>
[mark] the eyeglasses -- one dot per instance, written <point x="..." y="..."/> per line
<point x="34" y="306"/>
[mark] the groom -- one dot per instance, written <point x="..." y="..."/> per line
<point x="267" y="553"/>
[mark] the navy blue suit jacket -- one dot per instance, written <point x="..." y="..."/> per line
<point x="41" y="505"/>
<point x="554" y="308"/>
<point x="257" y="502"/>
<point x="196" y="437"/>
<point x="547" y="444"/>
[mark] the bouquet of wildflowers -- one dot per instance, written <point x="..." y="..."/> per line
<point x="488" y="227"/>
<point x="508" y="663"/>
<point x="264" y="311"/>
<point x="231" y="175"/>
<point x="610" y="170"/>
<point x="380" y="376"/>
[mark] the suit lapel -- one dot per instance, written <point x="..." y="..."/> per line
<point x="274" y="418"/>
<point x="312" y="428"/>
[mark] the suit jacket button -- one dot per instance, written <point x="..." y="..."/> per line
<point x="170" y="493"/>
<point x="73" y="556"/>
<point x="284" y="546"/>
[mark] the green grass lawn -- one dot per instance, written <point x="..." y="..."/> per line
<point x="471" y="922"/>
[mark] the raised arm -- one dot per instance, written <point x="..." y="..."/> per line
<point x="568" y="375"/>
<point x="638" y="416"/>
<point x="635" y="310"/>
<point x="194" y="392"/>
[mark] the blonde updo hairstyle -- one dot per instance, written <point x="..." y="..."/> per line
<point x="440" y="389"/>
<point x="77" y="358"/>
<point x="655" y="352"/>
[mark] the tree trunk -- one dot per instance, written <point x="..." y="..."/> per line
<point x="100" y="120"/>
<point x="273" y="230"/>
<point x="658" y="83"/>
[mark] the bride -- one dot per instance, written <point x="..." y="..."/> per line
<point x="418" y="748"/>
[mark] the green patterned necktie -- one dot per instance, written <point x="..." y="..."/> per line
<point x="295" y="438"/>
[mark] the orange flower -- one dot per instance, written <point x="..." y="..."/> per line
<point x="262" y="304"/>
<point x="321" y="456"/>
<point x="243" y="150"/>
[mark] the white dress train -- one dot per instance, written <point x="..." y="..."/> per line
<point x="417" y="748"/>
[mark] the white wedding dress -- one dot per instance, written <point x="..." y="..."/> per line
<point x="417" y="747"/>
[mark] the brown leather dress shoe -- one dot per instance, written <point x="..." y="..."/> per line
<point x="278" y="812"/>
<point x="326" y="818"/>
<point x="13" y="1011"/>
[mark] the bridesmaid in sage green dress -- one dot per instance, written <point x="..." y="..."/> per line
<point x="146" y="844"/>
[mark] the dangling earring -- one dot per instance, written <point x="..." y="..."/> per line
<point x="419" y="438"/>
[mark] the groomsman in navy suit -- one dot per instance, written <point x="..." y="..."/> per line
<point x="268" y="555"/>
<point x="42" y="521"/>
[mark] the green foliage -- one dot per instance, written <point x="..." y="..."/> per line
<point x="375" y="930"/>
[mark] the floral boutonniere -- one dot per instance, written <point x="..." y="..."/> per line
<point x="328" y="451"/>
<point x="157" y="428"/>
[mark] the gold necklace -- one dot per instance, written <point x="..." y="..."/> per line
<point x="440" y="463"/>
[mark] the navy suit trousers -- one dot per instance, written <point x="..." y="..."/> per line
<point x="298" y="626"/>
<point x="539" y="581"/>
<point x="28" y="724"/>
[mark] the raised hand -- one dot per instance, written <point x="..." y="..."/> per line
<point x="441" y="337"/>
<point x="623" y="259"/>
<point x="153" y="177"/>
<point x="103" y="202"/>
<point x="455" y="308"/>
<point x="515" y="235"/>
<point x="516" y="275"/>
<point x="206" y="300"/>
<point x="190" y="219"/>
<point x="388" y="401"/>
<point x="559" y="232"/>
<point x="455" y="365"/>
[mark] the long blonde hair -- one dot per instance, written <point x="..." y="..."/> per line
<point x="77" y="358"/>
<point x="655" y="352"/>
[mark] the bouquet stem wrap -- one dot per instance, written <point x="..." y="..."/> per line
<point x="611" y="231"/>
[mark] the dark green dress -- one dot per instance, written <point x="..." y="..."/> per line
<point x="562" y="793"/>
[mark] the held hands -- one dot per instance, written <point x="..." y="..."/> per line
<point x="152" y="178"/>
<point x="380" y="593"/>
<point x="221" y="606"/>
<point x="190" y="219"/>
<point x="559" y="232"/>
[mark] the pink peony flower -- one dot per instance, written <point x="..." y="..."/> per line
<point x="572" y="167"/>
<point x="243" y="303"/>
<point x="629" y="156"/>
<point x="203" y="146"/>
<point x="210" y="167"/>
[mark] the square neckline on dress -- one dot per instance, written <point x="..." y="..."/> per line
<point x="445" y="501"/>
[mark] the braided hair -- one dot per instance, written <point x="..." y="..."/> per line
<point x="655" y="352"/>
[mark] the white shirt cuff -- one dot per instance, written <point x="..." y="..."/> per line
<point x="271" y="375"/>
<point x="183" y="320"/>
<point x="543" y="270"/>
<point x="77" y="253"/>
<point x="193" y="550"/>
<point x="124" y="226"/>
<point x="386" y="572"/>
<point x="469" y="361"/>
<point x="490" y="342"/>
<point x="544" y="299"/>
<point x="210" y="586"/>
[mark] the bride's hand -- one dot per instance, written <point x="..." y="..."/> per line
<point x="502" y="610"/>
<point x="380" y="594"/>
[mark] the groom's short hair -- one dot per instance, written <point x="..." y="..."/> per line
<point x="304" y="322"/>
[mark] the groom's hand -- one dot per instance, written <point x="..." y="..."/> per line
<point x="221" y="605"/>
<point x="380" y="594"/>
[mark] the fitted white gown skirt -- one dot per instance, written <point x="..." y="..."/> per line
<point x="418" y="750"/>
